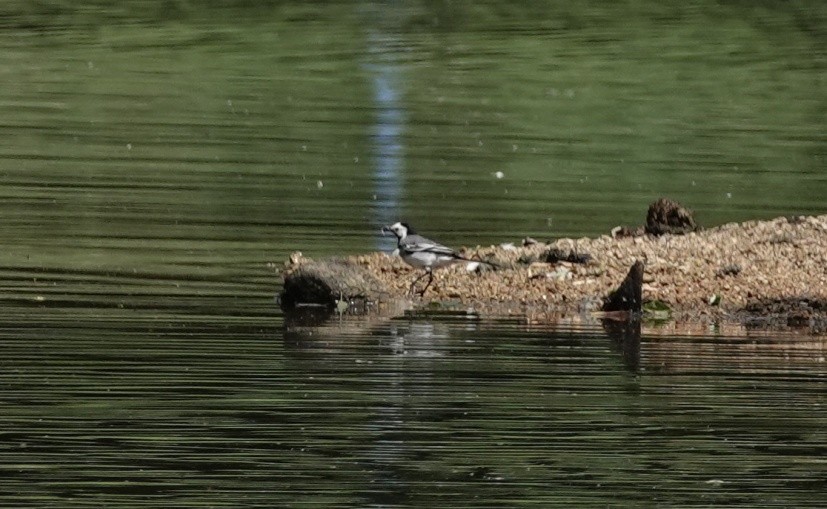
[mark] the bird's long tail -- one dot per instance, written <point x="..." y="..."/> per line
<point x="463" y="258"/>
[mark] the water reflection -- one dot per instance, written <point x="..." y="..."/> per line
<point x="625" y="335"/>
<point x="641" y="349"/>
<point x="389" y="452"/>
<point x="419" y="338"/>
<point x="486" y="408"/>
<point x="386" y="139"/>
<point x="386" y="75"/>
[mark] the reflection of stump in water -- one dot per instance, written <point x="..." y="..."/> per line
<point x="626" y="336"/>
<point x="667" y="216"/>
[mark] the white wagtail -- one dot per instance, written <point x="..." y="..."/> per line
<point x="422" y="253"/>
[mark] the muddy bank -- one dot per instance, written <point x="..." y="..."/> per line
<point x="758" y="272"/>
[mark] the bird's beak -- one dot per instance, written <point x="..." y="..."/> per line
<point x="384" y="230"/>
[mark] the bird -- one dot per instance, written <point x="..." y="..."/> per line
<point x="423" y="253"/>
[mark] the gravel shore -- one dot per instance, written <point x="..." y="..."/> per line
<point x="760" y="271"/>
<point x="759" y="268"/>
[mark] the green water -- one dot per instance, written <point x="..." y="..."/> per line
<point x="160" y="160"/>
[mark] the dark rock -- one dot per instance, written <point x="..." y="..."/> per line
<point x="667" y="216"/>
<point x="330" y="283"/>
<point x="627" y="231"/>
<point x="656" y="311"/>
<point x="629" y="295"/>
<point x="732" y="269"/>
<point x="555" y="255"/>
<point x="525" y="260"/>
<point x="790" y="311"/>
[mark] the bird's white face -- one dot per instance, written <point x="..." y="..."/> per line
<point x="398" y="229"/>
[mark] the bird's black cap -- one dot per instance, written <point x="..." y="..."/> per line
<point x="410" y="229"/>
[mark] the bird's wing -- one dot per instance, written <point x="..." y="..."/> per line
<point x="422" y="245"/>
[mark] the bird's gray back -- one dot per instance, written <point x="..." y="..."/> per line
<point x="413" y="243"/>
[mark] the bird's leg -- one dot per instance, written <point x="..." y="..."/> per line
<point x="415" y="281"/>
<point x="430" y="280"/>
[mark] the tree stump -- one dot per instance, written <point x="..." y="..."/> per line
<point x="629" y="295"/>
